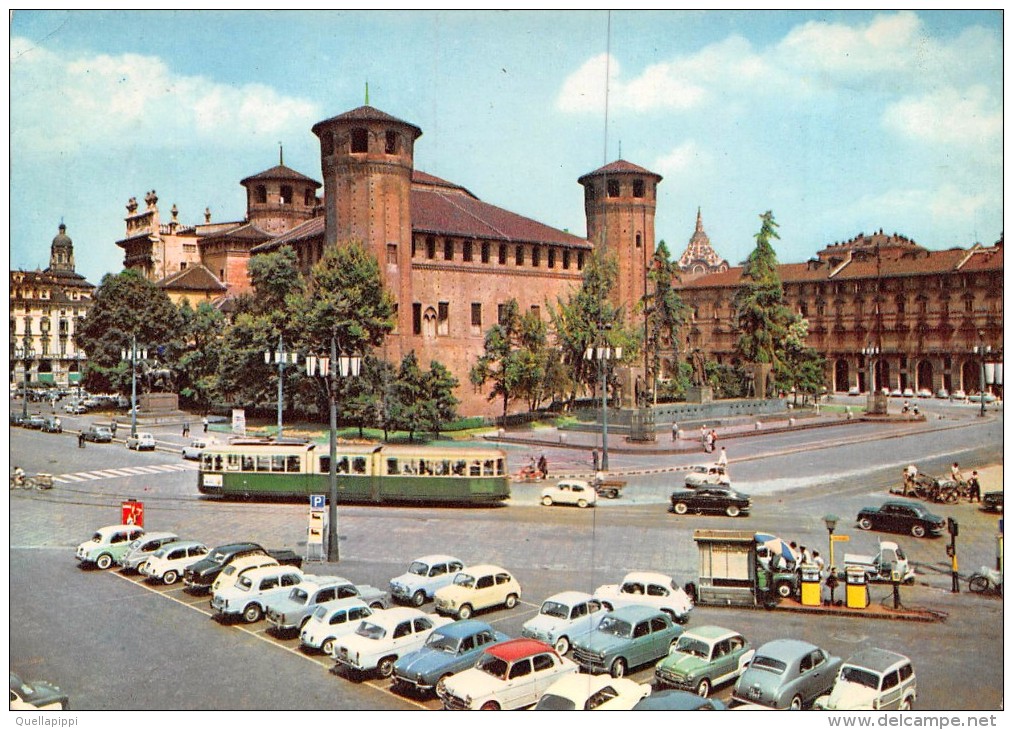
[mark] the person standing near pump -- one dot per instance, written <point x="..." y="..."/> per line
<point x="975" y="488"/>
<point x="112" y="428"/>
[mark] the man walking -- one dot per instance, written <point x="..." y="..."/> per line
<point x="594" y="459"/>
<point x="975" y="487"/>
<point x="543" y="466"/>
<point x="723" y="458"/>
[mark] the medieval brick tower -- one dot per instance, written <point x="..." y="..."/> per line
<point x="367" y="158"/>
<point x="279" y="199"/>
<point x="619" y="203"/>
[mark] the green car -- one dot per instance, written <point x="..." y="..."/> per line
<point x="704" y="657"/>
<point x="626" y="638"/>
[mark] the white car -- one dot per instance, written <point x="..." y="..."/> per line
<point x="107" y="545"/>
<point x="476" y="588"/>
<point x="592" y="692"/>
<point x="908" y="393"/>
<point x="194" y="449"/>
<point x="143" y="548"/>
<point x="141" y="442"/>
<point x="924" y="393"/>
<point x="643" y="588"/>
<point x="425" y="576"/>
<point x="253" y="591"/>
<point x="382" y="638"/>
<point x="233" y="571"/>
<point x="706" y="474"/>
<point x="169" y="561"/>
<point x="853" y="391"/>
<point x="331" y="621"/>
<point x="570" y="491"/>
<point x="563" y="617"/>
<point x="508" y="676"/>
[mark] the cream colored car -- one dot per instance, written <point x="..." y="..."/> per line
<point x="231" y="573"/>
<point x="477" y="588"/>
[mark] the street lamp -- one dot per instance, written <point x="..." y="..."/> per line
<point x="281" y="357"/>
<point x="25" y="354"/>
<point x="831" y="522"/>
<point x="79" y="357"/>
<point x="131" y="357"/>
<point x="602" y="352"/>
<point x="991" y="372"/>
<point x="871" y="352"/>
<point x="331" y="367"/>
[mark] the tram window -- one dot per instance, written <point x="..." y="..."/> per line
<point x="460" y="467"/>
<point x="248" y="463"/>
<point x="232" y="462"/>
<point x="342" y="465"/>
<point x="425" y="467"/>
<point x="264" y="463"/>
<point x="278" y="462"/>
<point x="500" y="468"/>
<point x="217" y="462"/>
<point x="443" y="467"/>
<point x="476" y="469"/>
<point x="359" y="464"/>
<point x="292" y="463"/>
<point x="392" y="467"/>
<point x="205" y="461"/>
<point x="488" y="469"/>
<point x="325" y="464"/>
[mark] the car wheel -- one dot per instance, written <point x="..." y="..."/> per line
<point x="618" y="668"/>
<point x="441" y="685"/>
<point x="385" y="667"/>
<point x="170" y="577"/>
<point x="796" y="703"/>
<point x="865" y="523"/>
<point x="418" y="598"/>
<point x="704" y="688"/>
<point x="547" y="500"/>
<point x="582" y="503"/>
<point x="511" y="600"/>
<point x="784" y="589"/>
<point x="328" y="647"/>
<point x="680" y="508"/>
<point x="906" y="705"/>
<point x="252" y="613"/>
<point x="978" y="584"/>
<point x="732" y="511"/>
<point x="104" y="561"/>
<point x="918" y="530"/>
<point x="464" y="612"/>
<point x="490" y="706"/>
<point x="562" y="645"/>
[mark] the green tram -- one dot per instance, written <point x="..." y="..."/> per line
<point x="366" y="473"/>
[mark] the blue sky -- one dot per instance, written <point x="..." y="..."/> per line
<point x="839" y="121"/>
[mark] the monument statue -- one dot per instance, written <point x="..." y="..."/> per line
<point x="699" y="371"/>
<point x="157" y="378"/>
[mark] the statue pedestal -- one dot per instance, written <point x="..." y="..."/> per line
<point x="156" y="403"/>
<point x="876" y="404"/>
<point x="699" y="394"/>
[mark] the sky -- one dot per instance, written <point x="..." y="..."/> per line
<point x="840" y="122"/>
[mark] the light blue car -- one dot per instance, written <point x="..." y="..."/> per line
<point x="448" y="650"/>
<point x="626" y="638"/>
<point x="563" y="618"/>
<point x="425" y="576"/>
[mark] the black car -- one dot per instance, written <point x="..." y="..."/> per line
<point x="52" y="424"/>
<point x="34" y="421"/>
<point x="710" y="499"/>
<point x="199" y="576"/>
<point x="900" y="516"/>
<point x="992" y="502"/>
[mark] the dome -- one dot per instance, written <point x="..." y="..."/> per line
<point x="62" y="240"/>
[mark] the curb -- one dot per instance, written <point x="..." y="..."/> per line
<point x="924" y="616"/>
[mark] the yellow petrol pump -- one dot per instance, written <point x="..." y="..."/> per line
<point x="811" y="586"/>
<point x="857" y="592"/>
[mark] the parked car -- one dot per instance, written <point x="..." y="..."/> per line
<point x="476" y="588"/>
<point x="36" y="695"/>
<point x="75" y="408"/>
<point x="924" y="393"/>
<point x="563" y="617"/>
<point x="873" y="679"/>
<point x="234" y="570"/>
<point x="424" y="577"/>
<point x="570" y="491"/>
<point x="853" y="391"/>
<point x="711" y="499"/>
<point x="169" y="561"/>
<point x="52" y="424"/>
<point x="34" y="422"/>
<point x="254" y="590"/>
<point x="332" y="620"/>
<point x="958" y="395"/>
<point x="786" y="674"/>
<point x="992" y="501"/>
<point x="702" y="658"/>
<point x="143" y="548"/>
<point x="201" y="576"/>
<point x="976" y="398"/>
<point x="592" y="692"/>
<point x="896" y="393"/>
<point x="942" y="393"/>
<point x="908" y="393"/>
<point x="627" y="637"/>
<point x="450" y="649"/>
<point x="507" y="676"/>
<point x="107" y="545"/>
<point x="677" y="699"/>
<point x="194" y="449"/>
<point x="291" y="612"/>
<point x="98" y="434"/>
<point x="141" y="441"/>
<point x="380" y="640"/>
<point x="647" y="589"/>
<point x="704" y="474"/>
<point x="899" y="516"/>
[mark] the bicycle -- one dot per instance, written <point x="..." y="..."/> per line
<point x="39" y="481"/>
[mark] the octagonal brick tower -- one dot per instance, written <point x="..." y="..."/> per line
<point x="619" y="203"/>
<point x="367" y="157"/>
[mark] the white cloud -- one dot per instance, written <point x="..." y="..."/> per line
<point x="61" y="105"/>
<point x="679" y="160"/>
<point x="948" y="116"/>
<point x="946" y="206"/>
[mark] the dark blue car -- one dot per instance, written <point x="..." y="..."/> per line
<point x="448" y="650"/>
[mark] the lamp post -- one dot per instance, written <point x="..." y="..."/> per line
<point x="831" y="523"/>
<point x="25" y="354"/>
<point x="79" y="357"/>
<point x="331" y="367"/>
<point x="131" y="357"/>
<point x="871" y="352"/>
<point x="602" y="352"/>
<point x="281" y="358"/>
<point x="991" y="372"/>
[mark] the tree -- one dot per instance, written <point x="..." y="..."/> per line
<point x="761" y="315"/>
<point x="197" y="379"/>
<point x="408" y="411"/>
<point x="441" y="405"/>
<point x="274" y="277"/>
<point x="514" y="357"/>
<point x="800" y="368"/>
<point x="665" y="314"/>
<point x="127" y="305"/>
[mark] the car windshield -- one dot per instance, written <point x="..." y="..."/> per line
<point x="97" y="537"/>
<point x="555" y="702"/>
<point x="857" y="675"/>
<point x="244" y="583"/>
<point x="418" y="568"/>
<point x="556" y="610"/>
<point x="689" y="645"/>
<point x="463" y="579"/>
<point x="371" y="631"/>
<point x="319" y="612"/>
<point x="136" y="543"/>
<point x="218" y="557"/>
<point x="775" y="666"/>
<point x="229" y="569"/>
<point x="614" y="626"/>
<point x="298" y="595"/>
<point x="439" y="642"/>
<point x="493" y="665"/>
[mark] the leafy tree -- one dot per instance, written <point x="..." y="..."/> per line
<point x="514" y="357"/>
<point x="274" y="277"/>
<point x="665" y="313"/>
<point x="408" y="409"/>
<point x="197" y="379"/>
<point x="243" y="377"/>
<point x="363" y="399"/>
<point x="801" y="368"/>
<point x="441" y="405"/>
<point x="126" y="305"/>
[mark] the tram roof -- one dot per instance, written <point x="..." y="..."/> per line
<point x="252" y="446"/>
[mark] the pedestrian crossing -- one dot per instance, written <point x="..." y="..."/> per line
<point x="85" y="476"/>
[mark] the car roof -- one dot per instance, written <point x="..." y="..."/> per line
<point x="580" y="482"/>
<point x="710" y="633"/>
<point x="159" y="535"/>
<point x="785" y="649"/>
<point x="672" y="699"/>
<point x="644" y="575"/>
<point x="269" y="569"/>
<point x="183" y="543"/>
<point x="245" y="560"/>
<point x="878" y="660"/>
<point x="483" y="569"/>
<point x="436" y="558"/>
<point x="460" y="629"/>
<point x="579" y="686"/>
<point x="320" y="581"/>
<point x="635" y="612"/>
<point x="515" y="649"/>
<point x="118" y="528"/>
<point x="569" y="597"/>
<point x="397" y="613"/>
<point x="340" y="604"/>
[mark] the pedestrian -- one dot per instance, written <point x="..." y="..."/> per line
<point x="675" y="431"/>
<point x="910" y="479"/>
<point x="703" y="434"/>
<point x="818" y="560"/>
<point x="543" y="466"/>
<point x="804" y="554"/>
<point x="112" y="427"/>
<point x="708" y="442"/>
<point x="793" y="546"/>
<point x="186" y="429"/>
<point x="594" y="459"/>
<point x="955" y="474"/>
<point x="204" y="422"/>
<point x="723" y="458"/>
<point x="714" y="439"/>
<point x="975" y="487"/>
<point x="80" y="440"/>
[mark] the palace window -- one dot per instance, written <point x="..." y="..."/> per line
<point x="536" y="255"/>
<point x="392" y="253"/>
<point x="416" y="318"/>
<point x="968" y="303"/>
<point x="638" y="188"/>
<point x="448" y="249"/>
<point x="468" y="253"/>
<point x="580" y="260"/>
<point x="476" y="314"/>
<point x="286" y="195"/>
<point x="359" y="140"/>
<point x="309" y="198"/>
<point x="502" y="253"/>
<point x="430" y="247"/>
<point x="429" y="323"/>
<point x="260" y="194"/>
<point x="443" y="322"/>
<point x="519" y="254"/>
<point x="390" y="142"/>
<point x="639" y="241"/>
<point x="566" y="258"/>
<point x="613" y="188"/>
<point x="552" y="257"/>
<point x="501" y="313"/>
<point x="485" y="252"/>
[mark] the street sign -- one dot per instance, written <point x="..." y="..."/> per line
<point x="239" y="421"/>
<point x="840" y="538"/>
<point x="318" y="501"/>
<point x="132" y="513"/>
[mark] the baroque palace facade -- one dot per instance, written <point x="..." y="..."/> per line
<point x="453" y="261"/>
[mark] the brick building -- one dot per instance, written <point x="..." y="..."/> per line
<point x="877" y="301"/>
